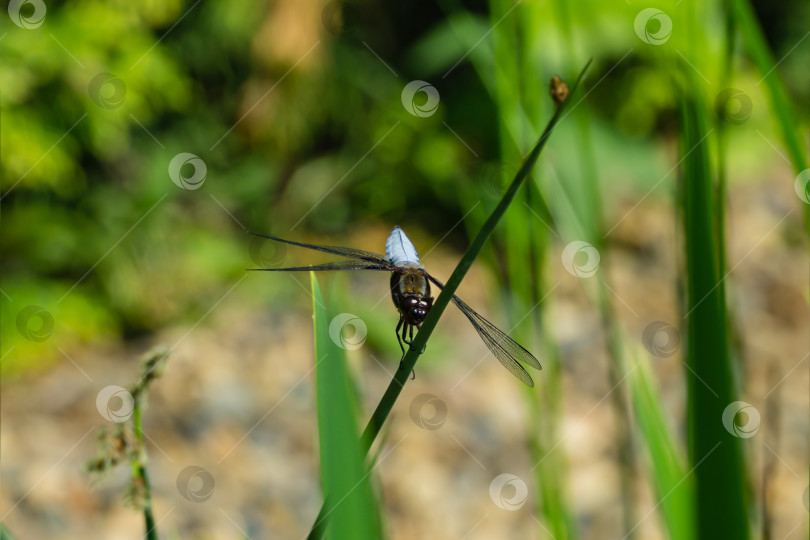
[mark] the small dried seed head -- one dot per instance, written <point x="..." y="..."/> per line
<point x="559" y="90"/>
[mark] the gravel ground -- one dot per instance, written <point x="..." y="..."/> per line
<point x="237" y="401"/>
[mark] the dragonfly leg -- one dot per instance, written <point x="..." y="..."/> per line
<point x="406" y="337"/>
<point x="407" y="334"/>
<point x="423" y="347"/>
<point x="410" y="341"/>
<point x="399" y="339"/>
<point x="401" y="336"/>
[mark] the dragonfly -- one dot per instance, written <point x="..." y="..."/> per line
<point x="410" y="292"/>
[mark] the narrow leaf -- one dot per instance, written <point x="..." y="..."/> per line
<point x="350" y="509"/>
<point x="715" y="455"/>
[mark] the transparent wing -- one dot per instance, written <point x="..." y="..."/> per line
<point x="338" y="265"/>
<point x="506" y="350"/>
<point x="349" y="253"/>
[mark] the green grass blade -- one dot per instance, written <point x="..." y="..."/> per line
<point x="518" y="49"/>
<point x="350" y="505"/>
<point x="715" y="455"/>
<point x="4" y="533"/>
<point x="781" y="106"/>
<point x="673" y="486"/>
<point x="721" y="127"/>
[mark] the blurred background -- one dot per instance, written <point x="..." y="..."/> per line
<point x="142" y="141"/>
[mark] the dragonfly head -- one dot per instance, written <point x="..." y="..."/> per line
<point x="416" y="309"/>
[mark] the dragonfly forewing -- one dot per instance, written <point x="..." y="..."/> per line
<point x="349" y="253"/>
